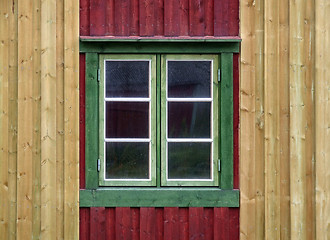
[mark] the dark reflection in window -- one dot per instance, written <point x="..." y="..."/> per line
<point x="127" y="78"/>
<point x="189" y="79"/>
<point x="127" y="160"/>
<point x="189" y="119"/>
<point x="189" y="160"/>
<point x="127" y="120"/>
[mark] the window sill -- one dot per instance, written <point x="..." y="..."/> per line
<point x="159" y="197"/>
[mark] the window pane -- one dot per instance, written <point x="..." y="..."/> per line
<point x="189" y="119"/>
<point x="127" y="78"/>
<point x="189" y="79"/>
<point x="189" y="160"/>
<point x="127" y="120"/>
<point x="127" y="160"/>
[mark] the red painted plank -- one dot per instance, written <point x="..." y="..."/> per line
<point x="159" y="223"/>
<point x="184" y="18"/>
<point x="122" y="12"/>
<point x="221" y="230"/>
<point x="184" y="223"/>
<point x="159" y="17"/>
<point x="171" y="223"/>
<point x="236" y="119"/>
<point x="233" y="223"/>
<point x="123" y="223"/>
<point x="82" y="105"/>
<point x="97" y="223"/>
<point x="97" y="17"/>
<point x="196" y="230"/>
<point x="208" y="223"/>
<point x="135" y="220"/>
<point x="221" y="17"/>
<point x="233" y="15"/>
<point x="147" y="223"/>
<point x="110" y="18"/>
<point x="151" y="17"/>
<point x="196" y="18"/>
<point x="84" y="223"/>
<point x="171" y="17"/>
<point x="134" y="18"/>
<point x="84" y="17"/>
<point x="209" y="18"/>
<point x="110" y="223"/>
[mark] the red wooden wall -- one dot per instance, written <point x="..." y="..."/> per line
<point x="159" y="18"/>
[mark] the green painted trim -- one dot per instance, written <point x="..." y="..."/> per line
<point x="158" y="163"/>
<point x="160" y="47"/>
<point x="215" y="181"/>
<point x="226" y="121"/>
<point x="91" y="121"/>
<point x="159" y="197"/>
<point x="172" y="40"/>
<point x="151" y="182"/>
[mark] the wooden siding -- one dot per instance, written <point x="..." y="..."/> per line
<point x="39" y="119"/>
<point x="159" y="18"/>
<point x="284" y="112"/>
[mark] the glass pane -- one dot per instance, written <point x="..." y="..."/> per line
<point x="189" y="119"/>
<point x="189" y="160"/>
<point x="127" y="160"/>
<point x="127" y="79"/>
<point x="127" y="120"/>
<point x="189" y="79"/>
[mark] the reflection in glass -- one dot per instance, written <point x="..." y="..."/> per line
<point x="189" y="119"/>
<point x="127" y="78"/>
<point x="189" y="79"/>
<point x="127" y="160"/>
<point x="189" y="160"/>
<point x="127" y="120"/>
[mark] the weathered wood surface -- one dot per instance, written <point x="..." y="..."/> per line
<point x="284" y="120"/>
<point x="39" y="196"/>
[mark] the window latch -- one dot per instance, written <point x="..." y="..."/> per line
<point x="98" y="74"/>
<point x="219" y="77"/>
<point x="219" y="165"/>
<point x="98" y="165"/>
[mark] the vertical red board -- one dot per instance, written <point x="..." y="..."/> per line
<point x="123" y="223"/>
<point x="110" y="223"/>
<point x="176" y="17"/>
<point x="134" y="18"/>
<point x="208" y="223"/>
<point x="196" y="230"/>
<point x="97" y="223"/>
<point x="233" y="223"/>
<point x="221" y="17"/>
<point x="84" y="17"/>
<point x="147" y="223"/>
<point x="151" y="17"/>
<point x="196" y="18"/>
<point x="122" y="18"/>
<point x="221" y="224"/>
<point x="233" y="25"/>
<point x="135" y="221"/>
<point x="84" y="223"/>
<point x="82" y="107"/>
<point x="97" y="17"/>
<point x="159" y="223"/>
<point x="184" y="223"/>
<point x="209" y="17"/>
<point x="171" y="223"/>
<point x="236" y="118"/>
<point x="110" y="18"/>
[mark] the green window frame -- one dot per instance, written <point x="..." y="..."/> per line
<point x="160" y="192"/>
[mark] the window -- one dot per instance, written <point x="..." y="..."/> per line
<point x="159" y="123"/>
<point x="188" y="117"/>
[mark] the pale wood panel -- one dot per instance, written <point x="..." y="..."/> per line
<point x="48" y="119"/>
<point x="298" y="120"/>
<point x="259" y="145"/>
<point x="12" y="117"/>
<point x="247" y="112"/>
<point x="322" y="118"/>
<point x="272" y="120"/>
<point x="59" y="119"/>
<point x="71" y="119"/>
<point x="4" y="77"/>
<point x="25" y="119"/>
<point x="284" y="102"/>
